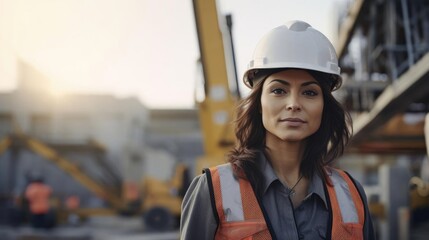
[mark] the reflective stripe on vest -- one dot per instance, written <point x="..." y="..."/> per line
<point x="240" y="216"/>
<point x="347" y="207"/>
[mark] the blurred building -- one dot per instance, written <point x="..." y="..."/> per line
<point x="104" y="136"/>
<point x="87" y="142"/>
<point x="176" y="132"/>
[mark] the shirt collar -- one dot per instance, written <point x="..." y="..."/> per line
<point x="316" y="185"/>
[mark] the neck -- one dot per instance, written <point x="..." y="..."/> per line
<point x="285" y="158"/>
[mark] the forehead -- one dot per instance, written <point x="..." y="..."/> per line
<point x="291" y="75"/>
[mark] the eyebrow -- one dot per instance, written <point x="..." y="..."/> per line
<point x="284" y="82"/>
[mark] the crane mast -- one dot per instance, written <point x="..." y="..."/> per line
<point x="216" y="110"/>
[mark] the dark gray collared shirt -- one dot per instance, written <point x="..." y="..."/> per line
<point x="308" y="221"/>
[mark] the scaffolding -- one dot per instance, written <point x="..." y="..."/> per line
<point x="384" y="54"/>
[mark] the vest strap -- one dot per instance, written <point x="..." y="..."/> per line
<point x="240" y="216"/>
<point x="347" y="207"/>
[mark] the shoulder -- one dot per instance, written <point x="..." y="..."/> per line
<point x="197" y="188"/>
<point x="199" y="194"/>
<point x="197" y="219"/>
<point x="342" y="177"/>
<point x="358" y="185"/>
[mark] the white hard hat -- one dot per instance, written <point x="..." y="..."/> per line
<point x="294" y="45"/>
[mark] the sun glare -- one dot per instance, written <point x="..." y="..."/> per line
<point x="56" y="93"/>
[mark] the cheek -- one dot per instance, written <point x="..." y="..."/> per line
<point x="266" y="112"/>
<point x="317" y="114"/>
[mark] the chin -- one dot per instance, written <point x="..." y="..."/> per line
<point x="292" y="139"/>
<point x="287" y="136"/>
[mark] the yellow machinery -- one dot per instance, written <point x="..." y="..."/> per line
<point x="216" y="110"/>
<point x="159" y="201"/>
<point x="162" y="200"/>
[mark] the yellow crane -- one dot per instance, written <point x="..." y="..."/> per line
<point x="216" y="110"/>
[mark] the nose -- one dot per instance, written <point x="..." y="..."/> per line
<point x="293" y="107"/>
<point x="293" y="103"/>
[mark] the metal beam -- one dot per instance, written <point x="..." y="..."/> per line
<point x="349" y="25"/>
<point x="390" y="147"/>
<point x="370" y="85"/>
<point x="69" y="167"/>
<point x="410" y="86"/>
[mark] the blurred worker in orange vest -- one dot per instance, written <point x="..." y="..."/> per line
<point x="72" y="205"/>
<point x="38" y="195"/>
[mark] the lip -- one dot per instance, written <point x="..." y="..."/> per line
<point x="293" y="122"/>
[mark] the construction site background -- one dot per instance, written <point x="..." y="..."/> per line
<point x="119" y="170"/>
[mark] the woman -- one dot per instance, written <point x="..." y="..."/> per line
<point x="277" y="184"/>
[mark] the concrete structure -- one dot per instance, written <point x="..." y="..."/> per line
<point x="177" y="133"/>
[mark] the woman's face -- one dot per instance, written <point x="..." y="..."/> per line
<point x="292" y="105"/>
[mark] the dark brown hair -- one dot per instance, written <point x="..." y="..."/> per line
<point x="322" y="148"/>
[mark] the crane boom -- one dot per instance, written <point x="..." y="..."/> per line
<point x="216" y="111"/>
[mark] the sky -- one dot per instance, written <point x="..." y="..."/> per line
<point x="146" y="49"/>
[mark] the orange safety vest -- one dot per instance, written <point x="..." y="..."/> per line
<point x="73" y="202"/>
<point x="38" y="195"/>
<point x="241" y="217"/>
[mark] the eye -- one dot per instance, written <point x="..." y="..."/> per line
<point x="310" y="93"/>
<point x="278" y="91"/>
